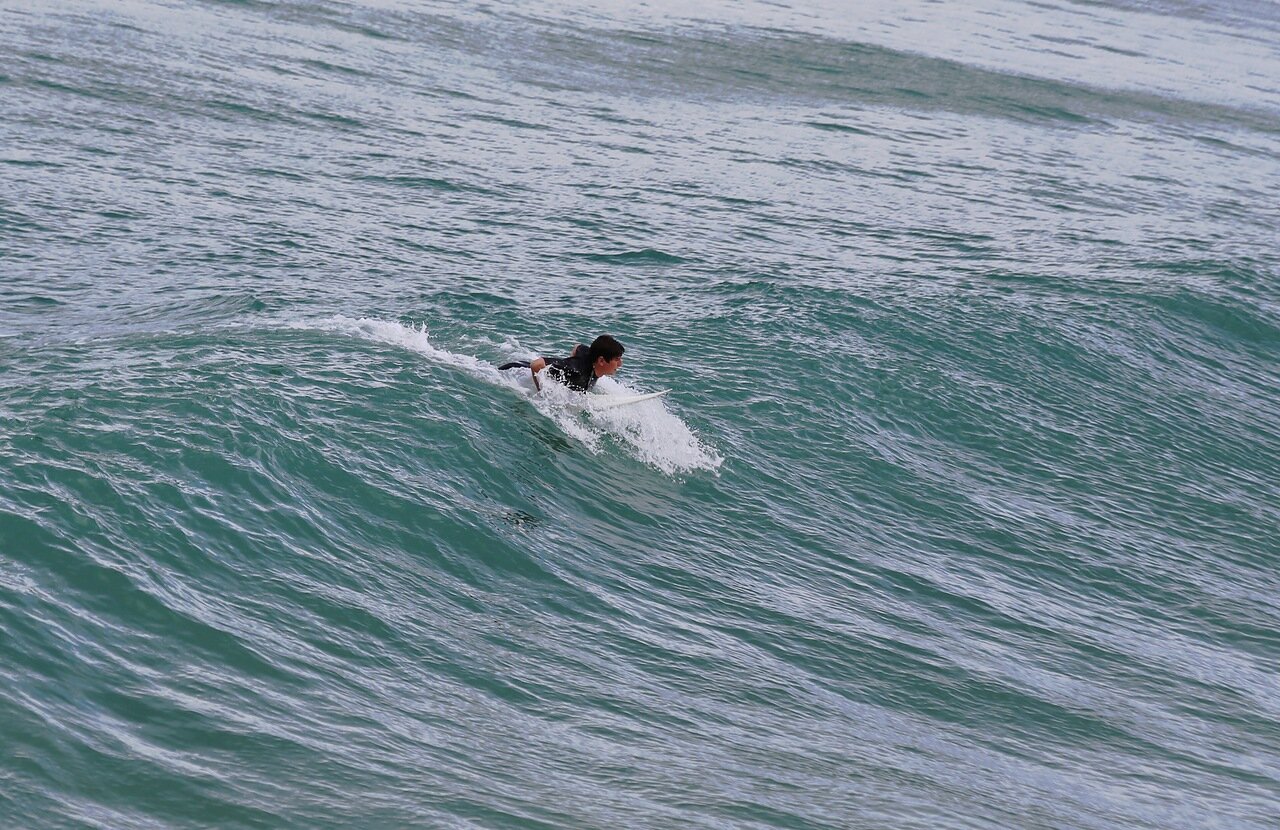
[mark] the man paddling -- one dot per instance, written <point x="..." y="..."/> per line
<point x="579" y="370"/>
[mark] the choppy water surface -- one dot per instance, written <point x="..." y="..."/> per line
<point x="961" y="512"/>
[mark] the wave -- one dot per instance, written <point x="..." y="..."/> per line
<point x="754" y="64"/>
<point x="644" y="256"/>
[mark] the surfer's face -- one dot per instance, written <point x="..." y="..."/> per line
<point x="608" y="367"/>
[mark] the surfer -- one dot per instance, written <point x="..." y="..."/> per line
<point x="579" y="370"/>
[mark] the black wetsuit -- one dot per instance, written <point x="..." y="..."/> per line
<point x="575" y="371"/>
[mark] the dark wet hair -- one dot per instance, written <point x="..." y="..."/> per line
<point x="605" y="346"/>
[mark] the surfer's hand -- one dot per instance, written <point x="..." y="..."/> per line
<point x="536" y="366"/>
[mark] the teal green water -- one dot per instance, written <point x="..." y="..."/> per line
<point x="961" y="513"/>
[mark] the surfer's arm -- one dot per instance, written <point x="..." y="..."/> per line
<point x="536" y="366"/>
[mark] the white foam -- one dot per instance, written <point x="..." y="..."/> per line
<point x="649" y="430"/>
<point x="413" y="338"/>
<point x="655" y="434"/>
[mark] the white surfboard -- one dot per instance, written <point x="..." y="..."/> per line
<point x="598" y="401"/>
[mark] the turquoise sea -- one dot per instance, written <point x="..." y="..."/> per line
<point x="963" y="510"/>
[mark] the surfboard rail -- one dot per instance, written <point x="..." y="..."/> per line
<point x="607" y="401"/>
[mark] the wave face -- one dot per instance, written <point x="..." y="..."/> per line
<point x="961" y="512"/>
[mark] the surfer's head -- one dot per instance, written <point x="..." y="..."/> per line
<point x="605" y="355"/>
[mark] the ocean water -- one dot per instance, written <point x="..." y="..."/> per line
<point x="962" y="511"/>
